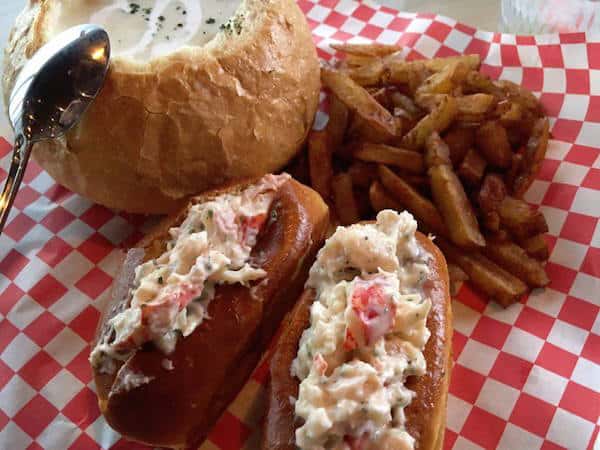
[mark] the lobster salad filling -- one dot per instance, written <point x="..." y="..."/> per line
<point x="366" y="336"/>
<point x="171" y="293"/>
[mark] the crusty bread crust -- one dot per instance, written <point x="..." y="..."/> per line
<point x="178" y="407"/>
<point x="240" y="106"/>
<point x="426" y="414"/>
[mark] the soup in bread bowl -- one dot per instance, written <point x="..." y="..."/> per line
<point x="199" y="92"/>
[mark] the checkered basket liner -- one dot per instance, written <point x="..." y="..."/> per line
<point x="526" y="377"/>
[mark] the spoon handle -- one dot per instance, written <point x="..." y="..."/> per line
<point x="21" y="153"/>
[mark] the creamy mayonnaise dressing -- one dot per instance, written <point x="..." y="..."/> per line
<point x="171" y="293"/>
<point x="366" y="335"/>
<point x="145" y="29"/>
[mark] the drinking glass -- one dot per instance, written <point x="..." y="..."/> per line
<point x="549" y="16"/>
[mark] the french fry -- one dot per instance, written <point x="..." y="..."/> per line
<point x="355" y="61"/>
<point x="394" y="69"/>
<point x="417" y="73"/>
<point x="486" y="275"/>
<point x="380" y="95"/>
<point x="362" y="174"/>
<point x="419" y="206"/>
<point x="509" y="113"/>
<point x="298" y="168"/>
<point x="474" y="107"/>
<point x="491" y="139"/>
<point x="436" y="151"/>
<point x="516" y="260"/>
<point x="515" y="167"/>
<point x="490" y="221"/>
<point x="476" y="82"/>
<point x="492" y="192"/>
<point x="472" y="62"/>
<point x="452" y="202"/>
<point x="500" y="235"/>
<point x="442" y="82"/>
<point x="398" y="71"/>
<point x="343" y="198"/>
<point x="457" y="277"/>
<point x="319" y="163"/>
<point x="429" y="102"/>
<point x="358" y="100"/>
<point x="419" y="182"/>
<point x="361" y="131"/>
<point x="518" y="217"/>
<point x="385" y="154"/>
<point x="338" y="122"/>
<point x="516" y="93"/>
<point x="472" y="168"/>
<point x="368" y="74"/>
<point x="449" y="196"/>
<point x="406" y="103"/>
<point x="533" y="157"/>
<point x="504" y="90"/>
<point x="374" y="49"/>
<point x="437" y="120"/>
<point x="536" y="246"/>
<point x="380" y="199"/>
<point x="459" y="141"/>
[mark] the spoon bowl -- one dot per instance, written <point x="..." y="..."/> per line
<point x="51" y="93"/>
<point x="58" y="84"/>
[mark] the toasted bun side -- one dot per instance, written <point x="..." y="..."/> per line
<point x="178" y="407"/>
<point x="426" y="414"/>
<point x="240" y="106"/>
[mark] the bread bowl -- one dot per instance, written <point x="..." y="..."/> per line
<point x="347" y="398"/>
<point x="197" y="303"/>
<point x="173" y="121"/>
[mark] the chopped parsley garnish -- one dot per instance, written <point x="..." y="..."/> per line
<point x="160" y="280"/>
<point x="233" y="24"/>
<point x="161" y="18"/>
<point x="134" y="8"/>
<point x="210" y="213"/>
<point x="210" y="20"/>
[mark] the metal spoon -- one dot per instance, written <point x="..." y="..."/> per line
<point x="51" y="94"/>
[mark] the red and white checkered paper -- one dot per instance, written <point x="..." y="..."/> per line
<point x="526" y="377"/>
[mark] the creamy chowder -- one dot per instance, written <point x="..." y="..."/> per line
<point x="145" y="29"/>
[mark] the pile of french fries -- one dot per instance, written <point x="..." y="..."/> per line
<point x="445" y="142"/>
